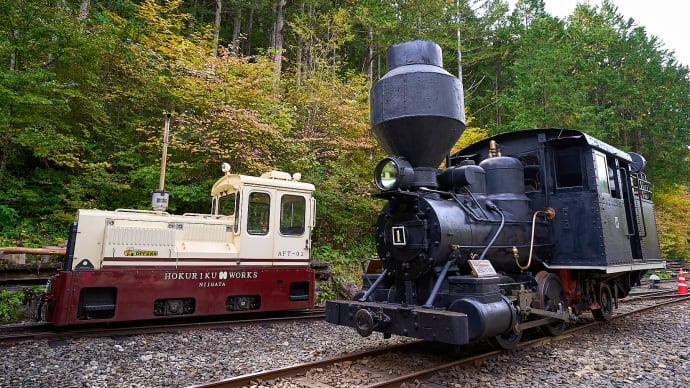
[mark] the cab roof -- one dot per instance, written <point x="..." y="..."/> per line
<point x="272" y="179"/>
<point x="551" y="135"/>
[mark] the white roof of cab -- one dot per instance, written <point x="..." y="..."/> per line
<point x="273" y="179"/>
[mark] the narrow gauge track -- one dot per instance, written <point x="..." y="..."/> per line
<point x="29" y="332"/>
<point x="427" y="359"/>
<point x="649" y="295"/>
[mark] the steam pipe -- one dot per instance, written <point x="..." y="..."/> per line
<point x="550" y="214"/>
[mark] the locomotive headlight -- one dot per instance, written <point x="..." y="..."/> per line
<point x="393" y="173"/>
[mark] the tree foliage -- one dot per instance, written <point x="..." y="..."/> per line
<point x="83" y="97"/>
<point x="673" y="207"/>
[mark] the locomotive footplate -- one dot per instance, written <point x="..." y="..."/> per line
<point x="415" y="322"/>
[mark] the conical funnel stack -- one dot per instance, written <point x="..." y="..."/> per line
<point x="417" y="108"/>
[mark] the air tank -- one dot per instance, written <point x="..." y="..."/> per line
<point x="417" y="107"/>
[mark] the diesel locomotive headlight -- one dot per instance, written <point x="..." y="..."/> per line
<point x="393" y="173"/>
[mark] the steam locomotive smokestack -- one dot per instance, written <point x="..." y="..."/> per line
<point x="417" y="108"/>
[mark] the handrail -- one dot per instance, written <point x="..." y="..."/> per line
<point x="642" y="189"/>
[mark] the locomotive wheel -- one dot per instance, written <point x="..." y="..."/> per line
<point x="549" y="295"/>
<point x="605" y="300"/>
<point x="506" y="341"/>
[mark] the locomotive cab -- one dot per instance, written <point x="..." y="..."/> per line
<point x="272" y="215"/>
<point x="570" y="171"/>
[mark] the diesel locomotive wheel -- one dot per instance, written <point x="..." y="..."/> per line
<point x="549" y="295"/>
<point x="605" y="301"/>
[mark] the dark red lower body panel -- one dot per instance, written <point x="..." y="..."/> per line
<point x="115" y="295"/>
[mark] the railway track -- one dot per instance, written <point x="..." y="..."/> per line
<point x="385" y="365"/>
<point x="12" y="334"/>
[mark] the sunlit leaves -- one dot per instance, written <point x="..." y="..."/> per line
<point x="673" y="206"/>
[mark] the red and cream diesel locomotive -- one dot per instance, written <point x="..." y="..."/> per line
<point x="250" y="254"/>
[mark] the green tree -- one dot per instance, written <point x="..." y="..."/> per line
<point x="544" y="95"/>
<point x="50" y="112"/>
<point x="672" y="208"/>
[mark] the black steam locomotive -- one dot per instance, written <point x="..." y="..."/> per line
<point x="525" y="229"/>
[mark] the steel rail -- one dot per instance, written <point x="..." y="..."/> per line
<point x="524" y="345"/>
<point x="301" y="369"/>
<point x="296" y="370"/>
<point x="43" y="331"/>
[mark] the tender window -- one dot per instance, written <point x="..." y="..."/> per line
<point x="607" y="174"/>
<point x="259" y="213"/>
<point x="292" y="214"/>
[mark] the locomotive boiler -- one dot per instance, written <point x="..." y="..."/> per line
<point x="525" y="229"/>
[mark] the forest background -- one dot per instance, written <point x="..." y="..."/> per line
<point x="277" y="84"/>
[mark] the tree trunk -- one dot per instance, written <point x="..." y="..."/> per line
<point x="84" y="9"/>
<point x="5" y="141"/>
<point x="459" y="36"/>
<point x="248" y="32"/>
<point x="308" y="56"/>
<point x="370" y="57"/>
<point x="216" y="26"/>
<point x="236" y="29"/>
<point x="278" y="26"/>
<point x="498" y="90"/>
<point x="298" y="54"/>
<point x="13" y="55"/>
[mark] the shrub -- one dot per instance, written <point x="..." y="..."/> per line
<point x="10" y="305"/>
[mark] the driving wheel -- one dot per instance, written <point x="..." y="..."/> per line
<point x="550" y="297"/>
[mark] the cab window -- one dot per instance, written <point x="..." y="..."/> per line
<point x="259" y="213"/>
<point x="602" y="173"/>
<point x="607" y="174"/>
<point x="568" y="167"/>
<point x="292" y="215"/>
<point x="228" y="205"/>
<point x="532" y="173"/>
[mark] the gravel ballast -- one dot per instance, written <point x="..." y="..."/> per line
<point x="649" y="349"/>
